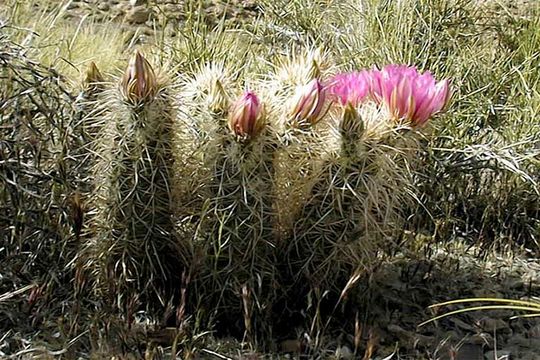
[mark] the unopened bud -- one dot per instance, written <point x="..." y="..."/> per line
<point x="309" y="102"/>
<point x="315" y="70"/>
<point x="139" y="81"/>
<point x="93" y="75"/>
<point x="352" y="126"/>
<point x="217" y="99"/>
<point x="246" y="117"/>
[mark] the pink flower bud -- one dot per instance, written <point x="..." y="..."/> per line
<point x="309" y="102"/>
<point x="246" y="117"/>
<point x="139" y="81"/>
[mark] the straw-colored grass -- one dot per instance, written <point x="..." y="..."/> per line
<point x="65" y="43"/>
<point x="262" y="239"/>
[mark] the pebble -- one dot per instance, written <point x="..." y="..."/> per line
<point x="138" y="15"/>
<point x="484" y="339"/>
<point x="498" y="355"/>
<point x="470" y="352"/>
<point x="104" y="6"/>
<point x="72" y="5"/>
<point x="490" y="325"/>
<point x="527" y="343"/>
<point x="344" y="352"/>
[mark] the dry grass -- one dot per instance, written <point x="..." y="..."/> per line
<point x="57" y="41"/>
<point x="181" y="229"/>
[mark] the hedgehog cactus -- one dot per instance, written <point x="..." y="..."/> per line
<point x="92" y="87"/>
<point x="139" y="81"/>
<point x="408" y="94"/>
<point x="353" y="209"/>
<point x="204" y="103"/>
<point x="297" y="110"/>
<point x="224" y="184"/>
<point x="89" y="123"/>
<point x="328" y="239"/>
<point x="240" y="227"/>
<point x="93" y="82"/>
<point x="135" y="245"/>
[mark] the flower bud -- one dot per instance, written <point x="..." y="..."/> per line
<point x="309" y="102"/>
<point x="352" y="129"/>
<point x="93" y="76"/>
<point x="218" y="100"/>
<point x="139" y="81"/>
<point x="315" y="69"/>
<point x="246" y="116"/>
<point x="352" y="126"/>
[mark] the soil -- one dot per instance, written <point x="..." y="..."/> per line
<point x="401" y="290"/>
<point x="404" y="289"/>
<point x="398" y="296"/>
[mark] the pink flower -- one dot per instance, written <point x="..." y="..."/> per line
<point x="351" y="87"/>
<point x="309" y="102"/>
<point x="408" y="94"/>
<point x="246" y="116"/>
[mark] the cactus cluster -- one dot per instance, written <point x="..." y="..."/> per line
<point x="262" y="196"/>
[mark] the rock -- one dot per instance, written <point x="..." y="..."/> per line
<point x="524" y="343"/>
<point x="409" y="336"/>
<point x="137" y="2"/>
<point x="534" y="332"/>
<point x="462" y="324"/>
<point x="138" y="15"/>
<point x="72" y="5"/>
<point x="291" y="346"/>
<point x="121" y="8"/>
<point x="343" y="352"/>
<point x="529" y="356"/>
<point x="172" y="9"/>
<point x="104" y="6"/>
<point x="483" y="339"/>
<point x="515" y="284"/>
<point x="498" y="355"/>
<point x="490" y="324"/>
<point x="470" y="352"/>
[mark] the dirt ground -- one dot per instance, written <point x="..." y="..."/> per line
<point x="401" y="290"/>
